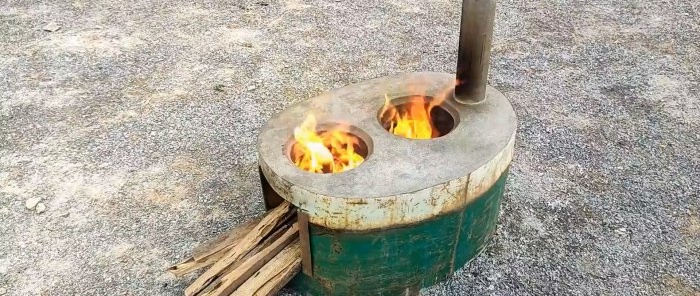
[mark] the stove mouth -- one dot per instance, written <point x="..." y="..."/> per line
<point x="418" y="117"/>
<point x="348" y="145"/>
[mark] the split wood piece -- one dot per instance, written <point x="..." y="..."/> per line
<point x="230" y="282"/>
<point x="269" y="240"/>
<point x="190" y="265"/>
<point x="247" y="243"/>
<point x="272" y="277"/>
<point x="210" y="252"/>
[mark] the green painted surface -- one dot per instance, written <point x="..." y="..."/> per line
<point x="388" y="262"/>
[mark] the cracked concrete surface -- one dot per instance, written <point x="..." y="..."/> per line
<point x="135" y="124"/>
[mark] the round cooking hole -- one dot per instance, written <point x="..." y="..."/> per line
<point x="327" y="148"/>
<point x="417" y="117"/>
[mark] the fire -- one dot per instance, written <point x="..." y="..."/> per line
<point x="410" y="120"/>
<point x="329" y="151"/>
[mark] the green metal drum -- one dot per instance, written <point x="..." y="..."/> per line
<point x="415" y="210"/>
<point x="394" y="261"/>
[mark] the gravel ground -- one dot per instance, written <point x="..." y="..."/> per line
<point x="133" y="127"/>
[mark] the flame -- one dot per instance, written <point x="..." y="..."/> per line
<point x="410" y="120"/>
<point x="330" y="151"/>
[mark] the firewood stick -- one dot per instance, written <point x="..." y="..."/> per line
<point x="234" y="279"/>
<point x="224" y="241"/>
<point x="190" y="265"/>
<point x="210" y="252"/>
<point x="276" y="235"/>
<point x="270" y="239"/>
<point x="216" y="281"/>
<point x="272" y="277"/>
<point x="249" y="241"/>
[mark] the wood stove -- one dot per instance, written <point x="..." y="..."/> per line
<point x="414" y="210"/>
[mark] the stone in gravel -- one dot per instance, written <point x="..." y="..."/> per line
<point x="51" y="27"/>
<point x="40" y="208"/>
<point x="252" y="87"/>
<point x="31" y="203"/>
<point x="3" y="291"/>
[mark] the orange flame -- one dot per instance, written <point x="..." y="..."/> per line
<point x="410" y="120"/>
<point x="330" y="151"/>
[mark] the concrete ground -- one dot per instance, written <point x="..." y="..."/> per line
<point x="135" y="125"/>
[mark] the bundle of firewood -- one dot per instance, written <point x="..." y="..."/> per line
<point x="257" y="258"/>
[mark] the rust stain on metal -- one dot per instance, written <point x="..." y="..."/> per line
<point x="327" y="285"/>
<point x="357" y="202"/>
<point x="337" y="248"/>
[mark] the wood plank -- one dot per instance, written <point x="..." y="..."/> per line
<point x="247" y="243"/>
<point x="306" y="264"/>
<point x="230" y="282"/>
<point x="274" y="275"/>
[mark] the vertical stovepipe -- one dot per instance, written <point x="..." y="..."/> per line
<point x="474" y="54"/>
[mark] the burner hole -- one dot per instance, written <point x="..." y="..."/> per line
<point x="312" y="150"/>
<point x="417" y="117"/>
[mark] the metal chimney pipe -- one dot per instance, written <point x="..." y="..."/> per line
<point x="474" y="56"/>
